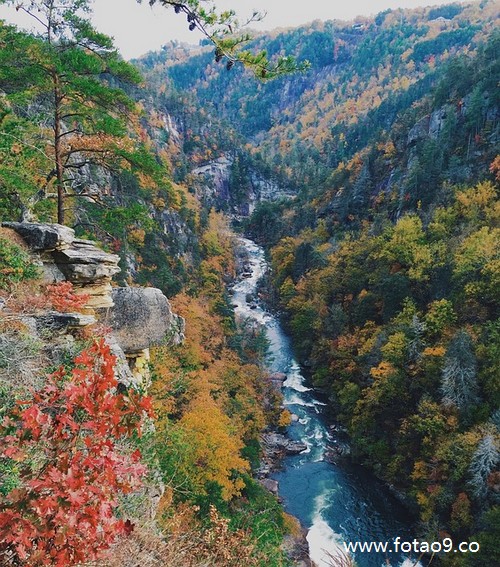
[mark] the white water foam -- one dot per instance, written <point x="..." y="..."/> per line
<point x="295" y="380"/>
<point x="294" y="400"/>
<point x="409" y="563"/>
<point x="324" y="544"/>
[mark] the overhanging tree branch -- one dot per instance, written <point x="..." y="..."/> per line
<point x="224" y="30"/>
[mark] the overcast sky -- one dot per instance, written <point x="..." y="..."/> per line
<point x="139" y="28"/>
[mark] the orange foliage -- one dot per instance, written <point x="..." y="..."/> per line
<point x="64" y="299"/>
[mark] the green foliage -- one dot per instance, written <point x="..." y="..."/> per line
<point x="223" y="30"/>
<point x="445" y="40"/>
<point x="404" y="359"/>
<point x="15" y="264"/>
<point x="260" y="513"/>
<point x="67" y="74"/>
<point x="449" y="11"/>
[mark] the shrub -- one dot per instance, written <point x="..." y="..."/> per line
<point x="15" y="264"/>
<point x="64" y="299"/>
<point x="64" y="443"/>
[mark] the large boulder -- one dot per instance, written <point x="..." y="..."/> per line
<point x="41" y="236"/>
<point x="270" y="485"/>
<point x="142" y="317"/>
<point x="276" y="442"/>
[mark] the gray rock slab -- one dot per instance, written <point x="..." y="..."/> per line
<point x="41" y="236"/>
<point x="58" y="321"/>
<point x="270" y="484"/>
<point x="83" y="263"/>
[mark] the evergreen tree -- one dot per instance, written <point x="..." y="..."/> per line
<point x="64" y="76"/>
<point x="484" y="462"/>
<point x="361" y="190"/>
<point x="223" y="29"/>
<point x="459" y="385"/>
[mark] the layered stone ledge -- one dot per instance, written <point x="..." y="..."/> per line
<point x="139" y="317"/>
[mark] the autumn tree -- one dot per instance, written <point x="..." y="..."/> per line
<point x="66" y="445"/>
<point x="63" y="77"/>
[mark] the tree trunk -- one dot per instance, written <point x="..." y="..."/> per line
<point x="57" y="150"/>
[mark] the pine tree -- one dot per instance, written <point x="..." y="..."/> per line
<point x="485" y="460"/>
<point x="223" y="29"/>
<point x="459" y="385"/>
<point x="65" y="73"/>
<point x="361" y="190"/>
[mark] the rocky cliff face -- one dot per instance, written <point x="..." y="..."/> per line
<point x="215" y="186"/>
<point x="139" y="317"/>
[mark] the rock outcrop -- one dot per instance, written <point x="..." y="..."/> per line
<point x="142" y="317"/>
<point x="213" y="181"/>
<point x="43" y="237"/>
<point x="61" y="256"/>
<point x="139" y="317"/>
<point x="279" y="444"/>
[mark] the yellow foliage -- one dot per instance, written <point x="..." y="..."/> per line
<point x="136" y="236"/>
<point x="383" y="370"/>
<point x="434" y="351"/>
<point x="420" y="471"/>
<point x="285" y="418"/>
<point x="395" y="348"/>
<point x="472" y="201"/>
<point x="215" y="446"/>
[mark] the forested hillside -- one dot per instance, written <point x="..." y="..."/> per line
<point x="385" y="265"/>
<point x="370" y="177"/>
<point x="85" y="142"/>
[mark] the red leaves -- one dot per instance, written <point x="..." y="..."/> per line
<point x="65" y="439"/>
<point x="64" y="299"/>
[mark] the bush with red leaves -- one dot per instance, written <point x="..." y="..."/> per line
<point x="64" y="441"/>
<point x="64" y="299"/>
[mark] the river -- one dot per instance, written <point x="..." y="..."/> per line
<point x="336" y="503"/>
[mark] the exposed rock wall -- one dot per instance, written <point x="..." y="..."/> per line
<point x="213" y="182"/>
<point x="64" y="257"/>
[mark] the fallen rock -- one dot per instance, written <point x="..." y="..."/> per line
<point x="295" y="447"/>
<point x="275" y="442"/>
<point x="142" y="317"/>
<point x="263" y="471"/>
<point x="270" y="484"/>
<point x="278" y="377"/>
<point x="43" y="236"/>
